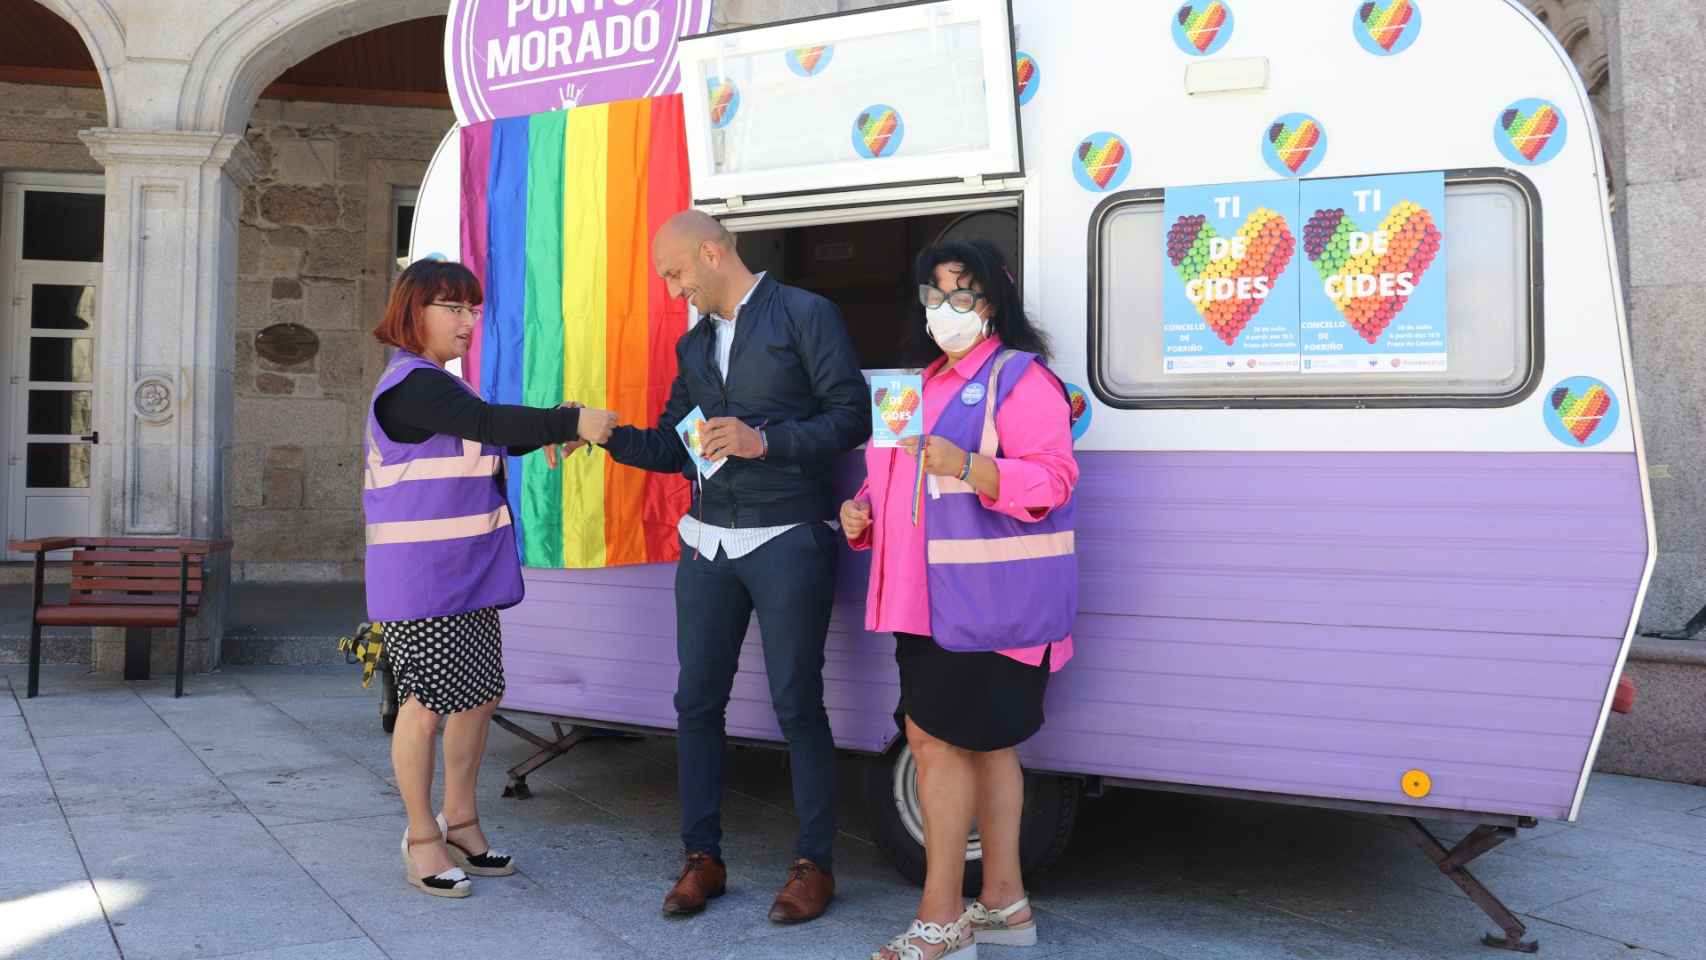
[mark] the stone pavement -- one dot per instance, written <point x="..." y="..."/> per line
<point x="256" y="819"/>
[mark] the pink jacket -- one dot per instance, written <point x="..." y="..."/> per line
<point x="1037" y="472"/>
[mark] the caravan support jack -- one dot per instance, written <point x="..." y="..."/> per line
<point x="548" y="750"/>
<point x="1454" y="862"/>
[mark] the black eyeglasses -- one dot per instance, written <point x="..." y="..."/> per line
<point x="963" y="300"/>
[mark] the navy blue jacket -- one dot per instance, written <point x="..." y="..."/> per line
<point x="792" y="372"/>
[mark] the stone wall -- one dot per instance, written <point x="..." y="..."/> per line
<point x="1662" y="191"/>
<point x="314" y="250"/>
<point x="39" y="124"/>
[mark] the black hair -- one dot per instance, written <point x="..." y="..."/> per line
<point x="983" y="264"/>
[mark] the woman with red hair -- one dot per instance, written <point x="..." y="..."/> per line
<point x="442" y="557"/>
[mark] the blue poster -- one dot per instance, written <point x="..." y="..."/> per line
<point x="1229" y="303"/>
<point x="1374" y="297"/>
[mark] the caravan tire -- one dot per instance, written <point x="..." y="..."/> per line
<point x="891" y="799"/>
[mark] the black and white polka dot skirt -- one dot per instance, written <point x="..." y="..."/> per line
<point x="448" y="664"/>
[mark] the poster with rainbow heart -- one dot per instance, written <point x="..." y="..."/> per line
<point x="897" y="408"/>
<point x="1229" y="301"/>
<point x="1374" y="297"/>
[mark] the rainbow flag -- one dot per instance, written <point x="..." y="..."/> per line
<point x="558" y="211"/>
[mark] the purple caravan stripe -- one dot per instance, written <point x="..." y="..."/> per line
<point x="1311" y="624"/>
<point x="434" y="499"/>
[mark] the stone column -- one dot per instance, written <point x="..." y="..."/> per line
<point x="165" y="352"/>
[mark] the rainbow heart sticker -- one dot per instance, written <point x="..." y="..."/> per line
<point x="897" y="407"/>
<point x="810" y="61"/>
<point x="1201" y="29"/>
<point x="1581" y="411"/>
<point x="1412" y="245"/>
<point x="1531" y="132"/>
<point x="1295" y="144"/>
<point x="1026" y="76"/>
<point x="1387" y="29"/>
<point x="1078" y="403"/>
<point x="1268" y="247"/>
<point x="878" y="131"/>
<point x="724" y="99"/>
<point x="1101" y="162"/>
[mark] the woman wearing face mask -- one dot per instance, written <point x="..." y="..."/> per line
<point x="441" y="558"/>
<point x="973" y="571"/>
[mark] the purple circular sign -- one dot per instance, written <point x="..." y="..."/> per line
<point x="512" y="58"/>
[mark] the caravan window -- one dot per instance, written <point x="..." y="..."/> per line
<point x="1492" y="302"/>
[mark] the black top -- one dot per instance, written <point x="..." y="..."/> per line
<point x="430" y="402"/>
<point x="793" y="374"/>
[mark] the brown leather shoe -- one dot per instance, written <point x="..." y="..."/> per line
<point x="805" y="896"/>
<point x="702" y="879"/>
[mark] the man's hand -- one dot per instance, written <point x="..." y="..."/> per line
<point x="855" y="519"/>
<point x="595" y="425"/>
<point x="727" y="437"/>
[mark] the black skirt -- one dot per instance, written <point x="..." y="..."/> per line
<point x="974" y="701"/>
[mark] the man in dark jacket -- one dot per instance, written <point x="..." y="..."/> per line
<point x="774" y="371"/>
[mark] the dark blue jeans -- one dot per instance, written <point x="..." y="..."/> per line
<point x="790" y="583"/>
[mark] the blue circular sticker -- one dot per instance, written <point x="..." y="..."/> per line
<point x="724" y="99"/>
<point x="810" y="61"/>
<point x="1202" y="27"/>
<point x="1079" y="401"/>
<point x="1581" y="412"/>
<point x="1531" y="132"/>
<point x="1387" y="28"/>
<point x="1101" y="162"/>
<point x="1294" y="145"/>
<point x="1027" y="76"/>
<point x="973" y="393"/>
<point x="878" y="132"/>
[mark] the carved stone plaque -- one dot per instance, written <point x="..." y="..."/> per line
<point x="152" y="399"/>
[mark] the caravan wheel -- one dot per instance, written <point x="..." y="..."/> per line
<point x="891" y="798"/>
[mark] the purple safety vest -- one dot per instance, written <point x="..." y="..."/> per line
<point x="440" y="540"/>
<point x="995" y="583"/>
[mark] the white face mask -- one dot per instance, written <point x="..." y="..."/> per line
<point x="952" y="330"/>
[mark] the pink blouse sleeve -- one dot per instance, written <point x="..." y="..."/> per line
<point x="1037" y="468"/>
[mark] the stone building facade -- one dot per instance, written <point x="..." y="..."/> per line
<point x="259" y="211"/>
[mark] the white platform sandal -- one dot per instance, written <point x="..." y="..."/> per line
<point x="956" y="937"/>
<point x="488" y="864"/>
<point x="995" y="927"/>
<point x="450" y="883"/>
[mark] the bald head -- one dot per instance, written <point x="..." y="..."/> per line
<point x="695" y="254"/>
<point x="692" y="228"/>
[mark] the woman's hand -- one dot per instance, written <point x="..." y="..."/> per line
<point x="855" y="519"/>
<point x="595" y="425"/>
<point x="942" y="457"/>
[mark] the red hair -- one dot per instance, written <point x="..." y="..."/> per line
<point x="422" y="283"/>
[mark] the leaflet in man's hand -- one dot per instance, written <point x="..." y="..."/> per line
<point x="897" y="408"/>
<point x="688" y="430"/>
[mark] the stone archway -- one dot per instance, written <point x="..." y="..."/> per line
<point x="236" y="61"/>
<point x="103" y="35"/>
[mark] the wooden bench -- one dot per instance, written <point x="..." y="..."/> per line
<point x="134" y="583"/>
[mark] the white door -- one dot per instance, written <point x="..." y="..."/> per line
<point x="50" y="269"/>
